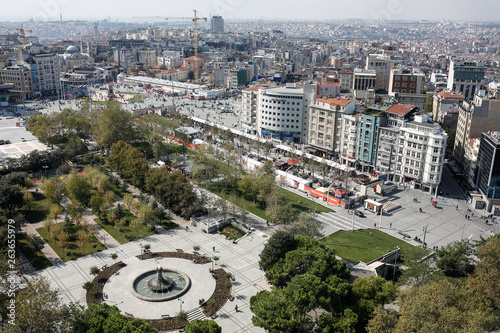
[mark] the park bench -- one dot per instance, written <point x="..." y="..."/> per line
<point x="179" y="250"/>
<point x="165" y="316"/>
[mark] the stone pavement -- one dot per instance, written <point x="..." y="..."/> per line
<point x="30" y="229"/>
<point x="239" y="259"/>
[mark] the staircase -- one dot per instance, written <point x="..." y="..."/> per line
<point x="195" y="314"/>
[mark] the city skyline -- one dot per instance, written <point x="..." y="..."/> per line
<point x="237" y="9"/>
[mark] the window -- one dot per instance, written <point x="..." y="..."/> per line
<point x="405" y="78"/>
<point x="396" y="84"/>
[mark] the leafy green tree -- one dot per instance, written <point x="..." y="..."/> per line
<point x="418" y="271"/>
<point x="105" y="318"/>
<point x="97" y="205"/>
<point x="274" y="312"/>
<point x="54" y="189"/>
<point x="439" y="307"/>
<point x="455" y="258"/>
<point x="368" y="293"/>
<point x="11" y="197"/>
<point x="346" y="324"/>
<point x="15" y="178"/>
<point x="38" y="309"/>
<point x="113" y="124"/>
<point x="44" y="127"/>
<point x="202" y="326"/>
<point x="278" y="245"/>
<point x="383" y="321"/>
<point x="308" y="225"/>
<point x="429" y="103"/>
<point x="129" y="162"/>
<point x="79" y="189"/>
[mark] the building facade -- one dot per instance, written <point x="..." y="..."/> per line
<point x="466" y="77"/>
<point x="488" y="180"/>
<point x="363" y="81"/>
<point x="20" y="76"/>
<point x="283" y="113"/>
<point x="325" y="125"/>
<point x="217" y="24"/>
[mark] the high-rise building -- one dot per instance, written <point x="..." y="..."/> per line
<point x="474" y="117"/>
<point x="408" y="84"/>
<point x="382" y="64"/>
<point x="488" y="175"/>
<point x="363" y="81"/>
<point x="217" y="24"/>
<point x="20" y="76"/>
<point x="466" y="77"/>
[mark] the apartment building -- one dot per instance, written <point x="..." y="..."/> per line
<point x="363" y="81"/>
<point x="20" y="76"/>
<point x="489" y="171"/>
<point x="325" y="125"/>
<point x="466" y="77"/>
<point x="249" y="102"/>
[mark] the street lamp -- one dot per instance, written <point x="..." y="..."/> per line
<point x="142" y="250"/>
<point x="213" y="259"/>
<point x="180" y="303"/>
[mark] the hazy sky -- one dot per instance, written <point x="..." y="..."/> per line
<point x="478" y="10"/>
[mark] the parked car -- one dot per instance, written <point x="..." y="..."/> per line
<point x="359" y="213"/>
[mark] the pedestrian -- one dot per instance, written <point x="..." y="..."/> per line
<point x="214" y="248"/>
<point x="434" y="247"/>
<point x="472" y="213"/>
<point x="375" y="224"/>
<point x="457" y="207"/>
<point x="390" y="225"/>
<point x="236" y="307"/>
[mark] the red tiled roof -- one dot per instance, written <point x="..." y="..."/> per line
<point x="335" y="101"/>
<point x="401" y="109"/>
<point x="448" y="95"/>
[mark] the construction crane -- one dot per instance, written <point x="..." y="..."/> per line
<point x="195" y="19"/>
<point x="21" y="30"/>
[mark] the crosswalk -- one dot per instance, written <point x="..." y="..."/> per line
<point x="338" y="221"/>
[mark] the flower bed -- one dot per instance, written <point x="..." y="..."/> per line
<point x="221" y="293"/>
<point x="181" y="255"/>
<point x="94" y="294"/>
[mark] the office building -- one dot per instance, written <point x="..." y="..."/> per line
<point x="363" y="81"/>
<point x="466" y="77"/>
<point x="217" y="24"/>
<point x="488" y="180"/>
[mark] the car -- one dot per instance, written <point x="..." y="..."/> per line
<point x="22" y="139"/>
<point x="358" y="213"/>
<point x="7" y="142"/>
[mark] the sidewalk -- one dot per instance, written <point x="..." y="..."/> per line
<point x="30" y="229"/>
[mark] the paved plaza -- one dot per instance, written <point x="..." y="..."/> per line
<point x="239" y="259"/>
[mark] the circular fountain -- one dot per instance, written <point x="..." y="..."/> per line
<point x="160" y="285"/>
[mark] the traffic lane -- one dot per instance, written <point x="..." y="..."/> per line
<point x="450" y="187"/>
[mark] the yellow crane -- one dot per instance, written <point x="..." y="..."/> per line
<point x="21" y="31"/>
<point x="195" y="19"/>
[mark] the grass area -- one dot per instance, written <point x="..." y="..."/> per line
<point x="67" y="140"/>
<point x="364" y="245"/>
<point x="167" y="224"/>
<point x="74" y="250"/>
<point x="36" y="258"/>
<point x="39" y="208"/>
<point x="298" y="202"/>
<point x="232" y="232"/>
<point x="127" y="233"/>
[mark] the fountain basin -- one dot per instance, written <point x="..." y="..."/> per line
<point x="180" y="284"/>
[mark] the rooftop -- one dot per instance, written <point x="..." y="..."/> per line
<point x="335" y="101"/>
<point x="401" y="109"/>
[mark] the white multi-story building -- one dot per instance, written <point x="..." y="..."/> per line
<point x="466" y="77"/>
<point x="283" y="112"/>
<point x="169" y="61"/>
<point x="424" y="145"/>
<point x="363" y="81"/>
<point x="48" y="73"/>
<point x="349" y="142"/>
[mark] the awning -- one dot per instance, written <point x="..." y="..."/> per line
<point x="292" y="161"/>
<point x="434" y="202"/>
<point x="340" y="192"/>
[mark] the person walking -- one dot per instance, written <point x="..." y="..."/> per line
<point x="214" y="248"/>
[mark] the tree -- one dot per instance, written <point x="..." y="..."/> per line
<point x="36" y="242"/>
<point x="39" y="309"/>
<point x="279" y="210"/>
<point x="308" y="225"/>
<point x="129" y="162"/>
<point x="369" y="292"/>
<point x="106" y="318"/>
<point x="88" y="285"/>
<point x="120" y="223"/>
<point x="455" y="258"/>
<point x="97" y="204"/>
<point x="55" y="212"/>
<point x="28" y="199"/>
<point x="63" y="239"/>
<point x="429" y="103"/>
<point x="439" y="307"/>
<point x="11" y="197"/>
<point x="79" y="189"/>
<point x="145" y="214"/>
<point x="383" y="321"/>
<point x="54" y="189"/>
<point x="44" y="127"/>
<point x="136" y="224"/>
<point x="346" y="324"/>
<point x="417" y="271"/>
<point x="278" y="245"/>
<point x="113" y="124"/>
<point x="114" y="256"/>
<point x="202" y="326"/>
<point x="128" y="199"/>
<point x="486" y="279"/>
<point x="82" y="239"/>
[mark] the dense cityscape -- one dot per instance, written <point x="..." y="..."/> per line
<point x="203" y="173"/>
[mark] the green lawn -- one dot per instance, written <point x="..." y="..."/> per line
<point x="36" y="258"/>
<point x="292" y="198"/>
<point x="127" y="233"/>
<point x="167" y="224"/>
<point x="39" y="210"/>
<point x="71" y="245"/>
<point x="364" y="245"/>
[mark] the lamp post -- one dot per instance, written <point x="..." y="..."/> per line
<point x="425" y="233"/>
<point x="380" y="221"/>
<point x="142" y="250"/>
<point x="352" y="219"/>
<point x="213" y="259"/>
<point x="180" y="303"/>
